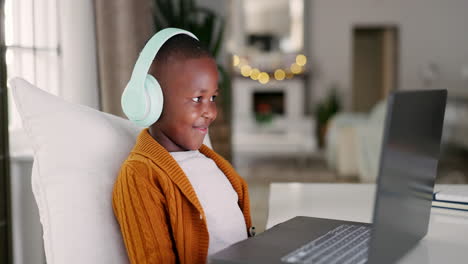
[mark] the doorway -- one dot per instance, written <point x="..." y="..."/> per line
<point x="375" y="55"/>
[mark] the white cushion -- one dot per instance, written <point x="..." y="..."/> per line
<point x="77" y="155"/>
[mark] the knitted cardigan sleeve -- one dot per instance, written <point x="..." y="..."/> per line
<point x="140" y="210"/>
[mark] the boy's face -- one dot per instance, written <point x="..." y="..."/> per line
<point x="189" y="88"/>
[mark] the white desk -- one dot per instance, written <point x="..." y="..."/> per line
<point x="445" y="242"/>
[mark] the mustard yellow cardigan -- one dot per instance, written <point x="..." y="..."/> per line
<point x="160" y="217"/>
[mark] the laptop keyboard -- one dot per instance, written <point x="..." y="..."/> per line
<point x="346" y="244"/>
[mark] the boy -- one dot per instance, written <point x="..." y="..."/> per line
<point x="176" y="200"/>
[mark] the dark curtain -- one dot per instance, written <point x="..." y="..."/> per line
<point x="122" y="29"/>
<point x="5" y="229"/>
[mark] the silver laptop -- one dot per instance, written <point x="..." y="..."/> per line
<point x="407" y="172"/>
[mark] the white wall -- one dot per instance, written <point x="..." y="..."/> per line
<point x="79" y="85"/>
<point x="429" y="31"/>
<point x="78" y="62"/>
<point x="78" y="47"/>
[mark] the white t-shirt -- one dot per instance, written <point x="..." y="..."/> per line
<point x="226" y="224"/>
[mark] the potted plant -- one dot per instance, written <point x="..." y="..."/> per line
<point x="324" y="111"/>
<point x="204" y="23"/>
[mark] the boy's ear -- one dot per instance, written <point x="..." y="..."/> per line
<point x="142" y="99"/>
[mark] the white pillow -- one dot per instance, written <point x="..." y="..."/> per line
<point x="77" y="155"/>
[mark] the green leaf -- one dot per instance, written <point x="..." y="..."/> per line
<point x="219" y="38"/>
<point x="171" y="13"/>
<point x="206" y="29"/>
<point x="203" y="22"/>
<point x="162" y="11"/>
<point x="225" y="83"/>
<point x="184" y="12"/>
<point x="159" y="23"/>
<point x="182" y="17"/>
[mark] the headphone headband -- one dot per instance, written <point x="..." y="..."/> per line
<point x="147" y="55"/>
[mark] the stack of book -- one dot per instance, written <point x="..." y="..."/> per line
<point x="451" y="196"/>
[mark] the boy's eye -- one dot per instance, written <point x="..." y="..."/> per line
<point x="196" y="99"/>
<point x="212" y="98"/>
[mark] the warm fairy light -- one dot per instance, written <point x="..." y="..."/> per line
<point x="279" y="75"/>
<point x="301" y="60"/>
<point x="242" y="62"/>
<point x="296" y="69"/>
<point x="254" y="74"/>
<point x="263" y="77"/>
<point x="235" y="60"/>
<point x="246" y="70"/>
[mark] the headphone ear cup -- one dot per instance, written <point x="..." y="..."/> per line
<point x="154" y="101"/>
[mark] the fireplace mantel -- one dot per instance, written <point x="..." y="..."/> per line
<point x="290" y="133"/>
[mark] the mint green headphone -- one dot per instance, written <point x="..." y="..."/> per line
<point x="142" y="100"/>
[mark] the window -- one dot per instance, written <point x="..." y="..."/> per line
<point x="32" y="46"/>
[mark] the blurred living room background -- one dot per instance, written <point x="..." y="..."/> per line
<point x="303" y="84"/>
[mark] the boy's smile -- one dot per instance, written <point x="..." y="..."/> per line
<point x="190" y="87"/>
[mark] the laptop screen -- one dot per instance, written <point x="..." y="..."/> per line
<point x="408" y="168"/>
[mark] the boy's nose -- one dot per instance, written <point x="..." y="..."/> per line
<point x="210" y="112"/>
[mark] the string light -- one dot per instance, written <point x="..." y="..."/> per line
<point x="263" y="78"/>
<point x="301" y="60"/>
<point x="296" y="69"/>
<point x="254" y="74"/>
<point x="235" y="60"/>
<point x="279" y="74"/>
<point x="246" y="70"/>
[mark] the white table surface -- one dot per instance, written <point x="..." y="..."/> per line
<point x="445" y="242"/>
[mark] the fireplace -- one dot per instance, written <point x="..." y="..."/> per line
<point x="268" y="106"/>
<point x="268" y="102"/>
<point x="268" y="119"/>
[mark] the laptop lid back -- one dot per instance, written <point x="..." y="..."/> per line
<point x="408" y="168"/>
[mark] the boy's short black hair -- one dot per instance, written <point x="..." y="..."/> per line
<point x="182" y="47"/>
